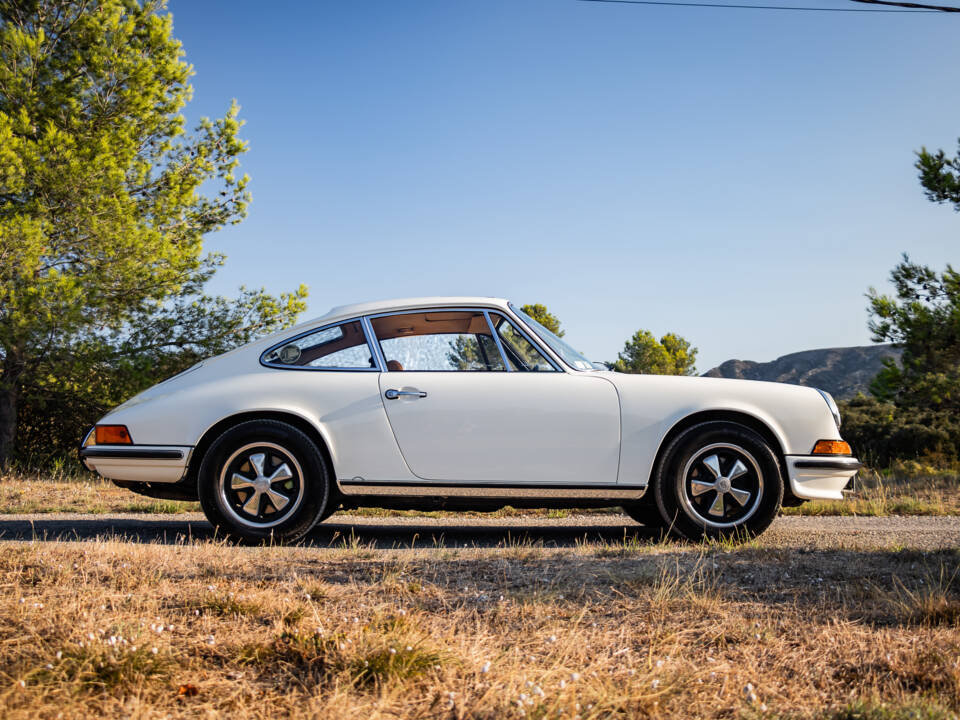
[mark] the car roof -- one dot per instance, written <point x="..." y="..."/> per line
<point x="379" y="306"/>
<point x="346" y="312"/>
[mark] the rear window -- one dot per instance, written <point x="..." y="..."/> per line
<point x="340" y="347"/>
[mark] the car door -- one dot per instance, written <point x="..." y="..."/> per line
<point x="471" y="399"/>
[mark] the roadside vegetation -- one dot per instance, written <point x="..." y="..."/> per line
<point x="598" y="630"/>
<point x="906" y="489"/>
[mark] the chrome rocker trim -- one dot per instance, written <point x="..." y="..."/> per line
<point x="503" y="491"/>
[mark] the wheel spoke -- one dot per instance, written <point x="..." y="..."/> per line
<point x="261" y="485"/>
<point x="738" y="469"/>
<point x="716" y="467"/>
<point x="252" y="505"/>
<point x="741" y="496"/>
<point x="717" y="507"/>
<point x="279" y="500"/>
<point x="280" y="474"/>
<point x="257" y="460"/>
<point x="712" y="464"/>
<point x="239" y="482"/>
<point x="699" y="487"/>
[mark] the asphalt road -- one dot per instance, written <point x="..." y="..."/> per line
<point x="927" y="533"/>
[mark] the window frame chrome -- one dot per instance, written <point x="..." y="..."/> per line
<point x="485" y="311"/>
<point x="525" y="331"/>
<point x="553" y="354"/>
<point x="496" y="339"/>
<point x="372" y="341"/>
<point x="367" y="335"/>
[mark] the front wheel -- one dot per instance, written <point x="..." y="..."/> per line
<point x="264" y="480"/>
<point x="719" y="479"/>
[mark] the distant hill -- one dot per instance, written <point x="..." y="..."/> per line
<point x="842" y="372"/>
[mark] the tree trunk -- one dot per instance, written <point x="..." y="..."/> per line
<point x="8" y="423"/>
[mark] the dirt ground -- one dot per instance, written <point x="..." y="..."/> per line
<point x="149" y="616"/>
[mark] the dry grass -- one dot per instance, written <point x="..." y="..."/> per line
<point x="112" y="628"/>
<point x="86" y="493"/>
<point x="877" y="495"/>
<point x="872" y="495"/>
<point x="22" y="493"/>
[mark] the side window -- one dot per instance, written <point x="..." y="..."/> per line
<point x="341" y="346"/>
<point x="441" y="341"/>
<point x="522" y="355"/>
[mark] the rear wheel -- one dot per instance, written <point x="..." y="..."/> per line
<point x="719" y="479"/>
<point x="264" y="480"/>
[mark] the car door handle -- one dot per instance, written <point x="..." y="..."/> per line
<point x="392" y="394"/>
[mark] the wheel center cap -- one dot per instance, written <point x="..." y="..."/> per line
<point x="723" y="485"/>
<point x="261" y="484"/>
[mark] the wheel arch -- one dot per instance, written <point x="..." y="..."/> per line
<point x="735" y="416"/>
<point x="218" y="428"/>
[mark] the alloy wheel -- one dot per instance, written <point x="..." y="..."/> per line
<point x="261" y="484"/>
<point x="722" y="485"/>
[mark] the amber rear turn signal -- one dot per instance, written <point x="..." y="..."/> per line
<point x="832" y="447"/>
<point x="113" y="435"/>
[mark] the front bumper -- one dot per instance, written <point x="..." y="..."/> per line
<point x="820" y="477"/>
<point x="137" y="463"/>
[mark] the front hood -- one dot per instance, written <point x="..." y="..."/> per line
<point x="798" y="416"/>
<point x="709" y="384"/>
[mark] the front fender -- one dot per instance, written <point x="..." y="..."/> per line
<point x="652" y="405"/>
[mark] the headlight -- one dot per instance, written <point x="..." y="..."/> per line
<point x="834" y="410"/>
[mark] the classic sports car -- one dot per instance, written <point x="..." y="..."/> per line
<point x="463" y="403"/>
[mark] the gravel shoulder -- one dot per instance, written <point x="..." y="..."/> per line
<point x="882" y="533"/>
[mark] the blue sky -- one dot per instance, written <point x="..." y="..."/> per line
<point x="738" y="177"/>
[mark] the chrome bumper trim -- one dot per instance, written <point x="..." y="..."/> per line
<point x="138" y="463"/>
<point x="134" y="452"/>
<point x="815" y="477"/>
<point x="833" y="464"/>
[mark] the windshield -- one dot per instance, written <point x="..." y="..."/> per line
<point x="569" y="355"/>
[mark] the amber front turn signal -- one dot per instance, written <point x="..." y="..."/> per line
<point x="832" y="447"/>
<point x="113" y="435"/>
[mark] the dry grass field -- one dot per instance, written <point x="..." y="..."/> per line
<point x="847" y="627"/>
<point x="854" y="626"/>
<point x="872" y="495"/>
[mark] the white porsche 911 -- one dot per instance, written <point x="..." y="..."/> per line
<point x="463" y="403"/>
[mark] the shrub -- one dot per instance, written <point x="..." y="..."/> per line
<point x="880" y="433"/>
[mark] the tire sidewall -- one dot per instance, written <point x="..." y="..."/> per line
<point x="315" y="479"/>
<point x="668" y="484"/>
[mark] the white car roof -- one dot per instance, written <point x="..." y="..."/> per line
<point x="344" y="312"/>
<point x="379" y="306"/>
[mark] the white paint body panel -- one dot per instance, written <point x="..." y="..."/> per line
<point x="816" y="483"/>
<point x="140" y="469"/>
<point x="345" y="407"/>
<point x="510" y="427"/>
<point x="652" y="404"/>
<point x="575" y="428"/>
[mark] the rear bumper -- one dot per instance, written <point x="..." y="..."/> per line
<point x="820" y="477"/>
<point x="138" y="463"/>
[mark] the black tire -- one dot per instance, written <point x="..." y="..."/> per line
<point x="646" y="513"/>
<point x="694" y="490"/>
<point x="332" y="506"/>
<point x="238" y="490"/>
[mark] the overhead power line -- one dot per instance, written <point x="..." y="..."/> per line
<point x="914" y="7"/>
<point x="937" y="8"/>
